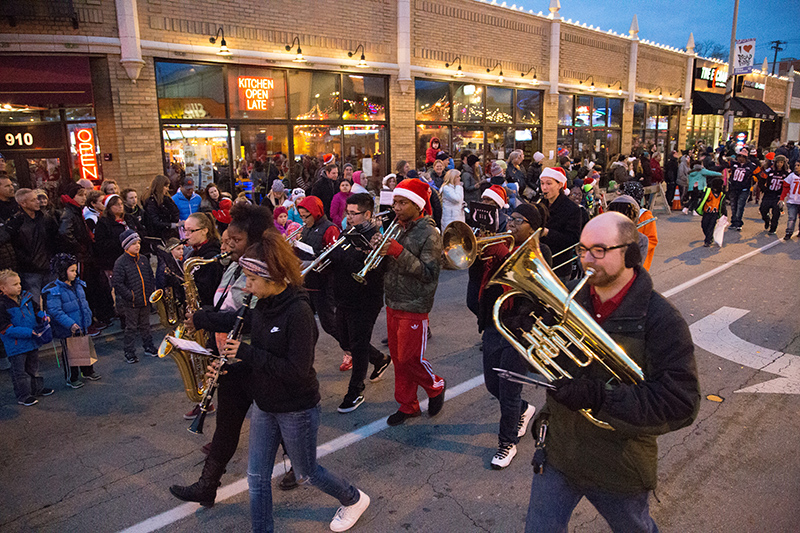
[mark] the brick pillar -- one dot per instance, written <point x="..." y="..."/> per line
<point x="401" y="123"/>
<point x="550" y="129"/>
<point x="627" y="127"/>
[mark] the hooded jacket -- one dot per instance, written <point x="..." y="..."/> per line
<point x="73" y="235"/>
<point x="67" y="305"/>
<point x="17" y="322"/>
<point x="412" y="277"/>
<point x="430" y="153"/>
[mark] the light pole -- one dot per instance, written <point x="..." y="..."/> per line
<point x="727" y="126"/>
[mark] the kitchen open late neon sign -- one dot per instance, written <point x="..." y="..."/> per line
<point x="254" y="93"/>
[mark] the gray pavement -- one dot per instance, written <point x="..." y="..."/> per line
<point x="101" y="458"/>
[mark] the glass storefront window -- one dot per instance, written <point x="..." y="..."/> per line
<point x="528" y="140"/>
<point x="315" y="140"/>
<point x="254" y="142"/>
<point x="468" y="138"/>
<point x="79" y="113"/>
<point x="365" y="149"/>
<point x="427" y="132"/>
<point x="663" y="117"/>
<point x="25" y="117"/>
<point x="599" y="111"/>
<point x="190" y="91"/>
<point x="565" y="110"/>
<point x="313" y="95"/>
<point x="529" y="106"/>
<point x="565" y="139"/>
<point x="257" y="93"/>
<point x="468" y="103"/>
<point x="202" y="150"/>
<point x="638" y="116"/>
<point x="614" y="112"/>
<point x="582" y="111"/>
<point x="432" y="100"/>
<point x="363" y="97"/>
<point x="498" y="105"/>
<point x="500" y="141"/>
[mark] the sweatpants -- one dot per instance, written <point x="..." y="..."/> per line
<point x="408" y="334"/>
<point x="137" y="320"/>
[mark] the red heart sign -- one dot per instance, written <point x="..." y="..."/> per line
<point x="748" y="47"/>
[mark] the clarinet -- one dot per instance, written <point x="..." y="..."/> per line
<point x="211" y="386"/>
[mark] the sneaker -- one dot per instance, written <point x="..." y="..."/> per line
<point x="505" y="452"/>
<point x="525" y="419"/>
<point x="93" y="331"/>
<point x="347" y="362"/>
<point x="45" y="392"/>
<point x="288" y="481"/>
<point x="94" y="376"/>
<point x="75" y="384"/>
<point x="707" y="245"/>
<point x="27" y="402"/>
<point x="5" y="364"/>
<point x="770" y="232"/>
<point x="101" y="324"/>
<point x="436" y="403"/>
<point x="130" y="359"/>
<point x="685" y="210"/>
<point x="380" y="369"/>
<point x="152" y="352"/>
<point x="350" y="404"/>
<point x="347" y="515"/>
<point x="400" y="417"/>
<point x="695" y="214"/>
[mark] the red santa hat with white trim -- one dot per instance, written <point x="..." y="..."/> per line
<point x="556" y="173"/>
<point x="417" y="191"/>
<point x="498" y="194"/>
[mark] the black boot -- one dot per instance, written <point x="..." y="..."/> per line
<point x="204" y="491"/>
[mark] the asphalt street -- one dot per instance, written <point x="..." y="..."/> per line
<point x="102" y="458"/>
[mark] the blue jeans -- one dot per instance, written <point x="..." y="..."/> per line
<point x="792" y="210"/>
<point x="299" y="432"/>
<point x="553" y="498"/>
<point x="498" y="353"/>
<point x="738" y="201"/>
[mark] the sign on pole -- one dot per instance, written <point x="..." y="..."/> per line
<point x="743" y="56"/>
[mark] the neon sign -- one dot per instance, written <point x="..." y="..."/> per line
<point x="86" y="153"/>
<point x="254" y="93"/>
<point x="718" y="76"/>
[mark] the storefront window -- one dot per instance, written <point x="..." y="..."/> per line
<point x="498" y="105"/>
<point x="529" y="107"/>
<point x="432" y="100"/>
<point x="614" y="112"/>
<point x="84" y="152"/>
<point x="638" y="116"/>
<point x="599" y="111"/>
<point x="597" y="122"/>
<point x="315" y="140"/>
<point x="365" y="149"/>
<point x="500" y="141"/>
<point x="582" y="111"/>
<point x="659" y="126"/>
<point x="254" y="142"/>
<point x="202" y="150"/>
<point x="565" y="110"/>
<point x="468" y="138"/>
<point x="79" y="113"/>
<point x="313" y="95"/>
<point x="25" y="117"/>
<point x="257" y="93"/>
<point x="364" y="97"/>
<point x="468" y="103"/>
<point x="427" y="132"/>
<point x="190" y="91"/>
<point x="528" y="140"/>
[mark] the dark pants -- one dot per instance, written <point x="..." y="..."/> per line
<point x="355" y="332"/>
<point x="137" y="319"/>
<point x="98" y="293"/>
<point x="498" y="353"/>
<point x="71" y="373"/>
<point x="33" y="282"/>
<point x="695" y="196"/>
<point x="769" y="205"/>
<point x="232" y="405"/>
<point x="708" y="223"/>
<point x="738" y="202"/>
<point x="25" y="374"/>
<point x="325" y="307"/>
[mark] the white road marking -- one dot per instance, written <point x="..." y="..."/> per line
<point x="713" y="334"/>
<point x="228" y="491"/>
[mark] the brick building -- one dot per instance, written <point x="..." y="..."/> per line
<point x="141" y="81"/>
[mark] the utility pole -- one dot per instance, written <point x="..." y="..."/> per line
<point x="776" y="45"/>
<point x="727" y="121"/>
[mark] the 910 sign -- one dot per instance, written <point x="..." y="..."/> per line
<point x="20" y="139"/>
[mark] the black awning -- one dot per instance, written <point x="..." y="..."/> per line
<point x="757" y="108"/>
<point x="714" y="104"/>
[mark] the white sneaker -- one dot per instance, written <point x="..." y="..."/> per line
<point x="347" y="515"/>
<point x="695" y="214"/>
<point x="505" y="452"/>
<point x="685" y="210"/>
<point x="525" y="419"/>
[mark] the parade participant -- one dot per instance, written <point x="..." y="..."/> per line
<point x="791" y="193"/>
<point x="615" y="470"/>
<point x="563" y="227"/>
<point x="187" y="200"/>
<point x="161" y="213"/>
<point x="515" y="413"/>
<point x="202" y="236"/>
<point x="636" y="191"/>
<point x="133" y="285"/>
<point x="65" y="302"/>
<point x="412" y="275"/>
<point x="319" y="233"/>
<point x="771" y="184"/>
<point x="630" y="208"/>
<point x="358" y="305"/>
<point x="280" y="364"/>
<point x="743" y="172"/>
<point x="711" y="207"/>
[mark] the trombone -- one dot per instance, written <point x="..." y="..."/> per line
<point x="461" y="248"/>
<point x="374" y="258"/>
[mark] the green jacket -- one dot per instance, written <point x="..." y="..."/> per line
<point x="411" y="279"/>
<point x="655" y="335"/>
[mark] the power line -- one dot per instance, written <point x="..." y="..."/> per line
<point x="776" y="45"/>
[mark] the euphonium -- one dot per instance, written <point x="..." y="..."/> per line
<point x="552" y="343"/>
<point x="192" y="367"/>
<point x="461" y="247"/>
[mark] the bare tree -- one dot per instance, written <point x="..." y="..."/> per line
<point x="709" y="48"/>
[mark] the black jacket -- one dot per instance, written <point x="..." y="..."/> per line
<point x="34" y="241"/>
<point x="137" y="213"/>
<point x="159" y="218"/>
<point x="671" y="170"/>
<point x="347" y="291"/>
<point x="73" y="235"/>
<point x="325" y="189"/>
<point x="532" y="178"/>
<point x="436" y="208"/>
<point x="207" y="277"/>
<point x="280" y="355"/>
<point x="516" y="175"/>
<point x="563" y="229"/>
<point x="133" y="281"/>
<point x="8" y="209"/>
<point x="655" y="335"/>
<point x="107" y="247"/>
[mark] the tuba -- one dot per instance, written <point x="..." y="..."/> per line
<point x="192" y="367"/>
<point x="571" y="338"/>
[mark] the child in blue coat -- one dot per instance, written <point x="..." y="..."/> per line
<point x="19" y="320"/>
<point x="65" y="301"/>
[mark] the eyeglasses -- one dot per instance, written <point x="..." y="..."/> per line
<point x="190" y="231"/>
<point x="517" y="220"/>
<point x="597" y="251"/>
<point x="353" y="213"/>
<point x="305" y="216"/>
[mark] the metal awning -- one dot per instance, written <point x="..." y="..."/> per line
<point x="757" y="109"/>
<point x="45" y="81"/>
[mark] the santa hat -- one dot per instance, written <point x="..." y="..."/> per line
<point x="538" y="157"/>
<point x="329" y="158"/>
<point x="417" y="191"/>
<point x="108" y="199"/>
<point x="498" y="194"/>
<point x="556" y="173"/>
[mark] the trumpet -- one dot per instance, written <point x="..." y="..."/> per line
<point x="462" y="248"/>
<point x="321" y="261"/>
<point x="374" y="258"/>
<point x="294" y="234"/>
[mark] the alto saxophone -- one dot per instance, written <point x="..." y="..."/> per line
<point x="192" y="367"/>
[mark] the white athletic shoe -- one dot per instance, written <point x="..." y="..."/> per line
<point x="347" y="515"/>
<point x="525" y="419"/>
<point x="505" y="452"/>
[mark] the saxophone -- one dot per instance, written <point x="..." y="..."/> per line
<point x="192" y="367"/>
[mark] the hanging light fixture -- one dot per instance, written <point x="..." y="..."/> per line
<point x="298" y="58"/>
<point x="500" y="79"/>
<point x="660" y="92"/>
<point x="459" y="73"/>
<point x="619" y="91"/>
<point x="591" y="87"/>
<point x="223" y="46"/>
<point x="362" y="63"/>
<point x="534" y="81"/>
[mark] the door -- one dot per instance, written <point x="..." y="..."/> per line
<point x="40" y="169"/>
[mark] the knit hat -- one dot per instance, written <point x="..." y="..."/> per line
<point x="417" y="191"/>
<point x="770" y="156"/>
<point x="495" y="169"/>
<point x="753" y="151"/>
<point x="531" y="215"/>
<point x="556" y="173"/>
<point x="223" y="214"/>
<point x="472" y="159"/>
<point x="60" y="263"/>
<point x="313" y="205"/>
<point x="72" y="189"/>
<point x="442" y="156"/>
<point x="328" y="159"/>
<point x="108" y="200"/>
<point x="357" y="177"/>
<point x="412" y="175"/>
<point x="347" y="165"/>
<point x="625" y="199"/>
<point x="538" y="157"/>
<point x="298" y="193"/>
<point x="497" y="194"/>
<point x="277" y="186"/>
<point x="128" y="238"/>
<point x="280" y="210"/>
